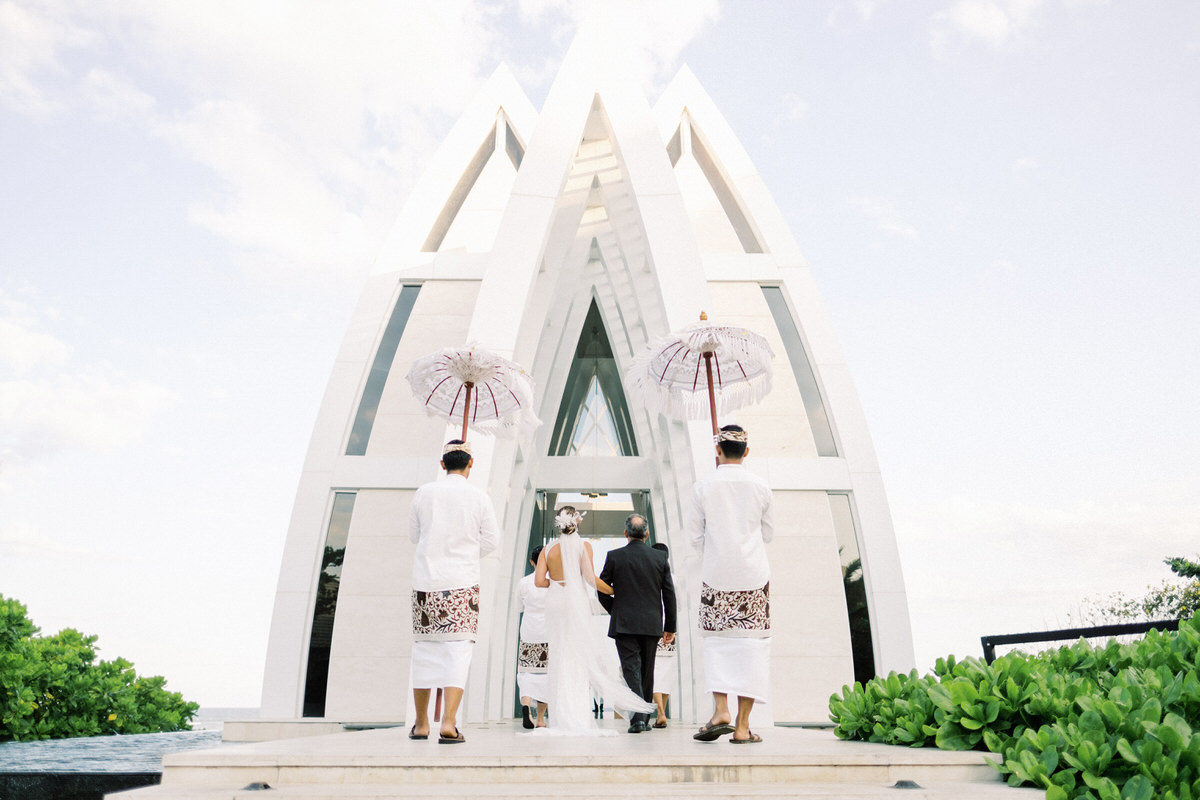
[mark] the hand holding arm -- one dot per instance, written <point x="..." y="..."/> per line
<point x="589" y="575"/>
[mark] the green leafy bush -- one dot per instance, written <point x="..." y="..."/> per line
<point x="52" y="687"/>
<point x="1110" y="722"/>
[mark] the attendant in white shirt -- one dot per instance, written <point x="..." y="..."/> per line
<point x="533" y="650"/>
<point x="453" y="525"/>
<point x="730" y="522"/>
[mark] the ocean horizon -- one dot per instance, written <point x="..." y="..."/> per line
<point x="213" y="718"/>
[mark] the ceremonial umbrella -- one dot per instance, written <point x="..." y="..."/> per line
<point x="491" y="393"/>
<point x="732" y="363"/>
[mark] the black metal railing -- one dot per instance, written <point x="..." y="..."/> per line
<point x="1096" y="631"/>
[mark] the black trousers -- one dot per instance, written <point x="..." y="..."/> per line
<point x="637" y="667"/>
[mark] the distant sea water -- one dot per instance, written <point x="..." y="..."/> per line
<point x="214" y="719"/>
<point x="129" y="753"/>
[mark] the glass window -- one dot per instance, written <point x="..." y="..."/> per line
<point x="512" y="146"/>
<point x="595" y="430"/>
<point x="810" y="393"/>
<point x="381" y="367"/>
<point x="593" y="418"/>
<point x="317" y="677"/>
<point x="854" y="584"/>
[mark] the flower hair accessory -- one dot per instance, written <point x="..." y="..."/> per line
<point x="568" y="519"/>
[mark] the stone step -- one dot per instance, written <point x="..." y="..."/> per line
<point x="995" y="790"/>
<point x="501" y="760"/>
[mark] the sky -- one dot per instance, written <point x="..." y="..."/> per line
<point x="999" y="201"/>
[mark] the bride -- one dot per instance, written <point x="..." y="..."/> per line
<point x="578" y="668"/>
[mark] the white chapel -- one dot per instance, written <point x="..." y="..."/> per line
<point x="566" y="240"/>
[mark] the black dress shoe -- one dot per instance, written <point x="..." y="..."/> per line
<point x="526" y="719"/>
<point x="638" y="727"/>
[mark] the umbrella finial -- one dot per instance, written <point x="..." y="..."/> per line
<point x="703" y="316"/>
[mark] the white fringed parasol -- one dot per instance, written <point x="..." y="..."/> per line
<point x="704" y="370"/>
<point x="491" y="393"/>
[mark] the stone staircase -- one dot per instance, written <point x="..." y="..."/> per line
<point x="500" y="760"/>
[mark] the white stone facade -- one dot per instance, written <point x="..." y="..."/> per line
<point x="652" y="214"/>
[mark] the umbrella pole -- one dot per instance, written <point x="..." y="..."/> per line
<point x="712" y="395"/>
<point x="466" y="410"/>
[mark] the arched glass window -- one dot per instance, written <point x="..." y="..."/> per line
<point x="853" y="581"/>
<point x="328" y="581"/>
<point x="593" y="418"/>
<point x="381" y="368"/>
<point x="806" y="380"/>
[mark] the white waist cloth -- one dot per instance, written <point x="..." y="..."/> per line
<point x="666" y="675"/>
<point x="738" y="666"/>
<point x="535" y="685"/>
<point x="436" y="665"/>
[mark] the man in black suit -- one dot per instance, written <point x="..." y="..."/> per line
<point x="641" y="609"/>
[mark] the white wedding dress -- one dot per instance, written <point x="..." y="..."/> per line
<point x="579" y="669"/>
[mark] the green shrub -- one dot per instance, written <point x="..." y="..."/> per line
<point x="1110" y="722"/>
<point x="52" y="687"/>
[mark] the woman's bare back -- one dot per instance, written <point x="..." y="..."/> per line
<point x="550" y="567"/>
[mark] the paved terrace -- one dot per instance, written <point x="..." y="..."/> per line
<point x="502" y="760"/>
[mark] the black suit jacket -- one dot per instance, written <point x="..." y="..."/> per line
<point x="643" y="600"/>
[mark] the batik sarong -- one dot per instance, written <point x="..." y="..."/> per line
<point x="533" y="657"/>
<point x="450" y="615"/>
<point x="745" y="613"/>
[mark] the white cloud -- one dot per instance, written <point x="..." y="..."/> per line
<point x="31" y="36"/>
<point x="794" y="107"/>
<point x="315" y="117"/>
<point x="886" y="216"/>
<point x="113" y="97"/>
<point x="97" y="411"/>
<point x="863" y="10"/>
<point x="20" y="539"/>
<point x="652" y="35"/>
<point x="996" y="23"/>
<point x="23" y="350"/>
<point x="1022" y="567"/>
<point x="1024" y="164"/>
<point x="48" y="404"/>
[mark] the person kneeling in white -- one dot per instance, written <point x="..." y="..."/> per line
<point x="453" y="525"/>
<point x="730" y="523"/>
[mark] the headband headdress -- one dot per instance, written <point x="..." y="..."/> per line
<point x="731" y="436"/>
<point x="452" y="447"/>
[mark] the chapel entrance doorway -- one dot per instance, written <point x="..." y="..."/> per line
<point x="603" y="526"/>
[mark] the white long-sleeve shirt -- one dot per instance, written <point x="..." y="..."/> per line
<point x="729" y="523"/>
<point x="453" y="525"/>
<point x="531" y="602"/>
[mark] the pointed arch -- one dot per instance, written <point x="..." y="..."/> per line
<point x="593" y="416"/>
<point x="462" y="189"/>
<point x="688" y="140"/>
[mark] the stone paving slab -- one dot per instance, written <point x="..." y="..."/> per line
<point x="502" y="760"/>
<point x="677" y="791"/>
